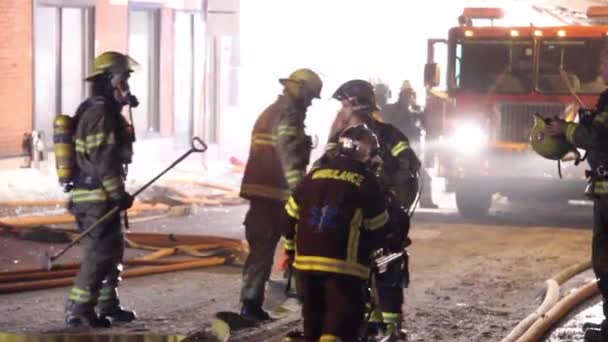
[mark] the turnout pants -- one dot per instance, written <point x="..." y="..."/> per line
<point x="99" y="273"/>
<point x="390" y="284"/>
<point x="333" y="306"/>
<point x="262" y="233"/>
<point x="599" y="255"/>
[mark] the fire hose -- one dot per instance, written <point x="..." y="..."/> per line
<point x="49" y="259"/>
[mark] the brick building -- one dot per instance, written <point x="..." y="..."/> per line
<point x="187" y="50"/>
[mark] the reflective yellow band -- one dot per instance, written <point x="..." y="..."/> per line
<point x="80" y="295"/>
<point x="323" y="264"/>
<point x="570" y="129"/>
<point x="342" y="175"/>
<point x="79" y="146"/>
<point x="354" y="234"/>
<point x="293" y="177"/>
<point x="266" y="136"/>
<point x="329" y="338"/>
<point x="390" y="317"/>
<point x="400" y="147"/>
<point x="287" y="130"/>
<point x="95" y="195"/>
<point x="264" y="191"/>
<point x="376" y="222"/>
<point x="113" y="183"/>
<point x="289" y="245"/>
<point x="600" y="188"/>
<point x="81" y="291"/>
<point x="331" y="146"/>
<point x="292" y="208"/>
<point x="262" y="142"/>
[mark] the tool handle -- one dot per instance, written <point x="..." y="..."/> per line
<point x="193" y="148"/>
<point x="113" y="211"/>
<point x="289" y="276"/>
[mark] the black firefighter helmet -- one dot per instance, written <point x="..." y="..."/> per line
<point x="359" y="93"/>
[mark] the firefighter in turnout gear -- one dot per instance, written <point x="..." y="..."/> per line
<point x="407" y="116"/>
<point x="340" y="214"/>
<point x="279" y="154"/>
<point x="103" y="146"/>
<point x="398" y="175"/>
<point x="591" y="134"/>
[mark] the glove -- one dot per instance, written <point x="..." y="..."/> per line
<point x="133" y="101"/>
<point x="125" y="202"/>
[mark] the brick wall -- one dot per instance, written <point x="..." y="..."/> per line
<point x="16" y="65"/>
<point x="111" y="26"/>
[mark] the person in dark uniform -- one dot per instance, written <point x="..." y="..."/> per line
<point x="407" y="116"/>
<point x="398" y="176"/>
<point x="340" y="213"/>
<point x="103" y="144"/>
<point x="591" y="134"/>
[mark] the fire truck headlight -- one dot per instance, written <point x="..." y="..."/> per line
<point x="468" y="138"/>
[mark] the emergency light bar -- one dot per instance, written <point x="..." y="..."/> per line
<point x="597" y="12"/>
<point x="484" y="12"/>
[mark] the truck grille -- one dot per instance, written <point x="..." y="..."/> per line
<point x="516" y="119"/>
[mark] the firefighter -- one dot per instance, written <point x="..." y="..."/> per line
<point x="103" y="144"/>
<point x="383" y="94"/>
<point x="279" y="154"/>
<point x="407" y="116"/>
<point x="398" y="176"/>
<point x="591" y="134"/>
<point x="340" y="214"/>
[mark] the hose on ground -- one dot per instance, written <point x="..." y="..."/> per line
<point x="559" y="310"/>
<point x="551" y="299"/>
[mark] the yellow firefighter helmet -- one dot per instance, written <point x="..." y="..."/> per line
<point x="307" y="79"/>
<point x="112" y="62"/>
<point x="550" y="147"/>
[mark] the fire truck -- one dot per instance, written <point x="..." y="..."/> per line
<point x="497" y="78"/>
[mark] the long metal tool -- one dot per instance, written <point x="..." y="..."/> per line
<point x="197" y="145"/>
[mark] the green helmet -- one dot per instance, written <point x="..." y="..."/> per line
<point x="550" y="147"/>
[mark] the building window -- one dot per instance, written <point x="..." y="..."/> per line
<point x="184" y="77"/>
<point x="63" y="48"/>
<point x="144" y="37"/>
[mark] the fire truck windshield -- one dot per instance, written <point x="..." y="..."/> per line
<point x="570" y="64"/>
<point x="492" y="65"/>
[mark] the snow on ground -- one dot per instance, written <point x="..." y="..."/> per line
<point x="17" y="184"/>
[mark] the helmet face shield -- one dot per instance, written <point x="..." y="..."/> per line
<point x="358" y="142"/>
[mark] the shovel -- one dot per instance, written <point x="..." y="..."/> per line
<point x="197" y="145"/>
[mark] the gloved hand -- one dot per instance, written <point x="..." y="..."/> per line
<point x="133" y="101"/>
<point x="125" y="202"/>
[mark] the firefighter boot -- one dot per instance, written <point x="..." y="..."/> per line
<point x="596" y="335"/>
<point x="253" y="311"/>
<point x="295" y="336"/>
<point x="80" y="314"/>
<point x="596" y="332"/>
<point x="394" y="333"/>
<point x="109" y="307"/>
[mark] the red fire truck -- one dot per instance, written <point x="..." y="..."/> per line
<point x="478" y="127"/>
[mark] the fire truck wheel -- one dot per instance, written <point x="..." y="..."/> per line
<point x="473" y="203"/>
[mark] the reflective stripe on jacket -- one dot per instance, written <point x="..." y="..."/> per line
<point x="339" y="211"/>
<point x="279" y="152"/>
